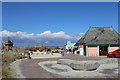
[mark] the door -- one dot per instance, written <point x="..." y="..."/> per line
<point x="103" y="50"/>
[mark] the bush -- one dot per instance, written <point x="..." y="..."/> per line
<point x="8" y="58"/>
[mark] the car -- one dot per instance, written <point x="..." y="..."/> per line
<point x="114" y="54"/>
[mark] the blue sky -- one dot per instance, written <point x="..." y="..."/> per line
<point x="57" y="18"/>
<point x="68" y="17"/>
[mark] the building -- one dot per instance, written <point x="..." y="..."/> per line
<point x="8" y="45"/>
<point x="98" y="41"/>
<point x="70" y="45"/>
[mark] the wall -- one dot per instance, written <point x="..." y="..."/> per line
<point x="70" y="45"/>
<point x="81" y="49"/>
<point x="114" y="47"/>
<point x="92" y="51"/>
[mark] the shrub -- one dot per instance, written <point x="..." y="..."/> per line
<point x="7" y="58"/>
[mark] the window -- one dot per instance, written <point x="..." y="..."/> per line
<point x="103" y="48"/>
<point x="117" y="50"/>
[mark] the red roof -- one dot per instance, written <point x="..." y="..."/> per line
<point x="100" y="27"/>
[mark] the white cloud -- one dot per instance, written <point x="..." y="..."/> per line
<point x="53" y="39"/>
<point x="46" y="33"/>
<point x="59" y="33"/>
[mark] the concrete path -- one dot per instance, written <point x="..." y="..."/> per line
<point x="103" y="70"/>
<point x="30" y="68"/>
<point x="16" y="65"/>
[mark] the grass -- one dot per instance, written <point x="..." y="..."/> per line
<point x="7" y="59"/>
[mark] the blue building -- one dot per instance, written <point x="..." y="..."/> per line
<point x="70" y="45"/>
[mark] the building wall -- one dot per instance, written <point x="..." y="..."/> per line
<point x="92" y="51"/>
<point x="70" y="45"/>
<point x="114" y="47"/>
<point x="81" y="49"/>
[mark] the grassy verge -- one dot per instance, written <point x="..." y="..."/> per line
<point x="8" y="58"/>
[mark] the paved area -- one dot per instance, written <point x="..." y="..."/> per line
<point x="16" y="65"/>
<point x="103" y="70"/>
<point x="31" y="69"/>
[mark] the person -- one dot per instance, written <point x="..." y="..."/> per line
<point x="73" y="51"/>
<point x="31" y="53"/>
<point x="62" y="53"/>
<point x="29" y="56"/>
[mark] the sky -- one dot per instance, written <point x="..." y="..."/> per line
<point x="54" y="23"/>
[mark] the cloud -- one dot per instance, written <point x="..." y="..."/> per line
<point x="47" y="38"/>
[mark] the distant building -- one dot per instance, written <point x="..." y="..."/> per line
<point x="8" y="45"/>
<point x="70" y="45"/>
<point x="98" y="41"/>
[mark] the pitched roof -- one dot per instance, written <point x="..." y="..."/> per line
<point x="99" y="35"/>
<point x="8" y="42"/>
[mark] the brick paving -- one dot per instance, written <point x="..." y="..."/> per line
<point x="31" y="69"/>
